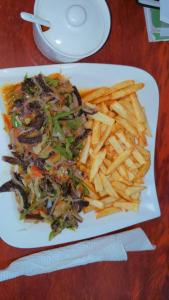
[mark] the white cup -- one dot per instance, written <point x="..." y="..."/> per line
<point x="78" y="28"/>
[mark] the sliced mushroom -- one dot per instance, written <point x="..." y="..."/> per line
<point x="42" y="84"/>
<point x="10" y="186"/>
<point x="30" y="140"/>
<point x="60" y="208"/>
<point x="29" y="86"/>
<point x="88" y="110"/>
<point x="11" y="160"/>
<point x="34" y="217"/>
<point x="80" y="204"/>
<point x="34" y="106"/>
<point x="37" y="122"/>
<point x="18" y="102"/>
<point x="76" y="92"/>
<point x="83" y="135"/>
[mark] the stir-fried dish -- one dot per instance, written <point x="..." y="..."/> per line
<point x="46" y="120"/>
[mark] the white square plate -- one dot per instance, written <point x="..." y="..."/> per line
<point x="28" y="235"/>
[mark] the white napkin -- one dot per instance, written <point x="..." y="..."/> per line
<point x="110" y="248"/>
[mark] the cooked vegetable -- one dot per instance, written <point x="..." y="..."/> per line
<point x="7" y="122"/>
<point x="11" y="186"/>
<point x="11" y="160"/>
<point x="30" y="140"/>
<point x="46" y="124"/>
<point x="15" y="121"/>
<point x="29" y="87"/>
<point x="37" y="122"/>
<point x="74" y="124"/>
<point x="42" y="84"/>
<point x="36" y="172"/>
<point x="51" y="82"/>
<point x="76" y="92"/>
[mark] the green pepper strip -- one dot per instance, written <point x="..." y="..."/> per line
<point x="16" y="122"/>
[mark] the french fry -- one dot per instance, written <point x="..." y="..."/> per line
<point x="107" y="186"/>
<point x="96" y="132"/>
<point x="98" y="183"/>
<point x="108" y="200"/>
<point x="120" y="159"/>
<point x="92" y="194"/>
<point x="97" y="163"/>
<point x="120" y="188"/>
<point x="96" y="94"/>
<point x="90" y="187"/>
<point x="122" y="85"/>
<point x="126" y="102"/>
<point x="103" y="108"/>
<point x="116" y="145"/>
<point x="107" y="211"/>
<point x="103" y="128"/>
<point x="140" y="113"/>
<point x="83" y="169"/>
<point x="127" y="91"/>
<point x="136" y="196"/>
<point x="148" y="130"/>
<point x="144" y="169"/>
<point x="91" y="154"/>
<point x="104" y="91"/>
<point x="137" y="108"/>
<point x="133" y="189"/>
<point x="144" y="152"/>
<point x="114" y="159"/>
<point x="88" y="209"/>
<point x="119" y="109"/>
<point x="102" y="141"/>
<point x="107" y="162"/>
<point x="115" y="176"/>
<point x="122" y="171"/>
<point x="103" y="118"/>
<point x="139" y="126"/>
<point x="131" y="176"/>
<point x="142" y="140"/>
<point x="91" y="105"/>
<point x="124" y="123"/>
<point x="111" y="155"/>
<point x="86" y="91"/>
<point x="103" y="169"/>
<point x="103" y="194"/>
<point x="139" y="157"/>
<point x="123" y="196"/>
<point x="102" y="99"/>
<point x="139" y="180"/>
<point x="109" y="102"/>
<point x="89" y="124"/>
<point x="123" y="139"/>
<point x="85" y="151"/>
<point x="111" y="114"/>
<point x="96" y="203"/>
<point x="118" y="185"/>
<point x="126" y="205"/>
<point x="130" y="164"/>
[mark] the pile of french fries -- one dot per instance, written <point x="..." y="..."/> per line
<point x="114" y="159"/>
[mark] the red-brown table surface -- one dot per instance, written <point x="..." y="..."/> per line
<point x="146" y="274"/>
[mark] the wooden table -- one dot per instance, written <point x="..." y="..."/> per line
<point x="145" y="275"/>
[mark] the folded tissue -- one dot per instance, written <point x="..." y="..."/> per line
<point x="113" y="247"/>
